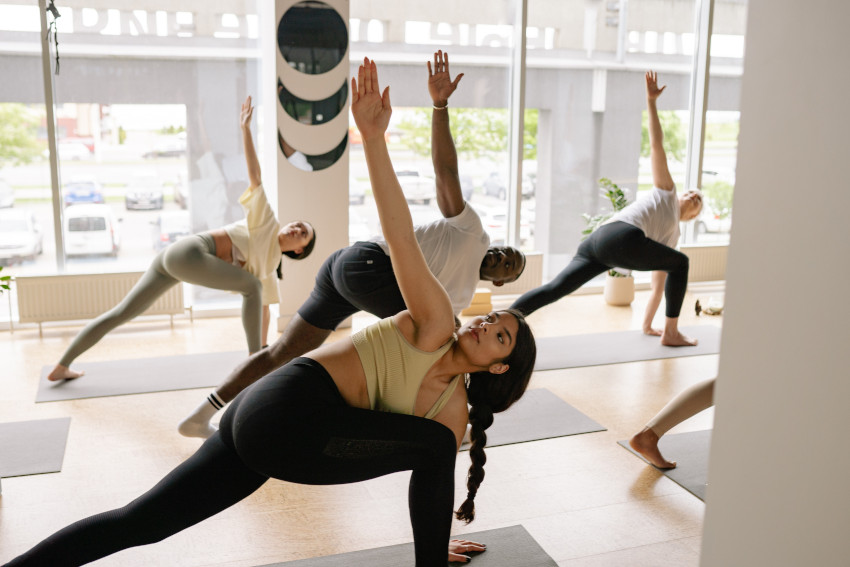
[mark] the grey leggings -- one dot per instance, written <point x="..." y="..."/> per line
<point x="191" y="260"/>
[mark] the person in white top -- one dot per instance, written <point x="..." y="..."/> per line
<point x="642" y="236"/>
<point x="242" y="257"/>
<point x="360" y="277"/>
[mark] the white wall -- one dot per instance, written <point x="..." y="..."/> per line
<point x="778" y="489"/>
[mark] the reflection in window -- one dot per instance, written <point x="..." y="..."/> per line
<point x="311" y="162"/>
<point x="313" y="111"/>
<point x="312" y="37"/>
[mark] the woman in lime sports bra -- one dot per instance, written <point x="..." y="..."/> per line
<point x="390" y="399"/>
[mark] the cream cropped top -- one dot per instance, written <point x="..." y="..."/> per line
<point x="395" y="369"/>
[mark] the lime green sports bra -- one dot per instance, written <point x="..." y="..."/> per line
<point x="395" y="369"/>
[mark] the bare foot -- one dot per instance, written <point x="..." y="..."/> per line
<point x="63" y="373"/>
<point x="646" y="443"/>
<point x="677" y="339"/>
<point x="652" y="332"/>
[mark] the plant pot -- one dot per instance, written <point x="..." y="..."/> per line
<point x="619" y="290"/>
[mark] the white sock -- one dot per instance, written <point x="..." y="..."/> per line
<point x="198" y="423"/>
<point x="467" y="435"/>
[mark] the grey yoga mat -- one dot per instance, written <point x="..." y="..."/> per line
<point x="539" y="414"/>
<point x="574" y="351"/>
<point x="141" y="376"/>
<point x="506" y="547"/>
<point x="690" y="451"/>
<point x="33" y="447"/>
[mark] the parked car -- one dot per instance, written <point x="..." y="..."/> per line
<point x="21" y="237"/>
<point x="73" y="151"/>
<point x="496" y="185"/>
<point x="144" y="192"/>
<point x="495" y="222"/>
<point x="82" y="191"/>
<point x="358" y="228"/>
<point x="7" y="195"/>
<point x="91" y="229"/>
<point x="417" y="188"/>
<point x="170" y="226"/>
<point x="356" y="191"/>
<point x="174" y="146"/>
<point x="181" y="193"/>
<point x="709" y="221"/>
<point x="466" y="187"/>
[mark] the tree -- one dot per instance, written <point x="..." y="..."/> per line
<point x="674" y="137"/>
<point x="18" y="128"/>
<point x="719" y="197"/>
<point x="478" y="132"/>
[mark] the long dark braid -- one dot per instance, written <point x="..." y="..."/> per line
<point x="493" y="393"/>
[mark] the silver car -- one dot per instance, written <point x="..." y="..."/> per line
<point x="7" y="195"/>
<point x="21" y="237"/>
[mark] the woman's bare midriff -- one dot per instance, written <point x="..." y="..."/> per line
<point x="223" y="245"/>
<point x="342" y="362"/>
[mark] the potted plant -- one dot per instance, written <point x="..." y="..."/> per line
<point x="619" y="287"/>
<point x="4" y="282"/>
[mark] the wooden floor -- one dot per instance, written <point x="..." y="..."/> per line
<point x="588" y="502"/>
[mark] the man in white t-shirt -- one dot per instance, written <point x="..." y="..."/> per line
<point x="360" y="277"/>
<point x="642" y="236"/>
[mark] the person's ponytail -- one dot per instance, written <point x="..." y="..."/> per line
<point x="480" y="418"/>
<point x="493" y="393"/>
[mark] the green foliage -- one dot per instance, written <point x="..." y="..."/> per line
<point x="617" y="198"/>
<point x="4" y="282"/>
<point x="18" y="127"/>
<point x="171" y="129"/>
<point x="722" y="132"/>
<point x="719" y="198"/>
<point x="673" y="131"/>
<point x="477" y="132"/>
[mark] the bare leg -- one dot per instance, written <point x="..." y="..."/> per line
<point x="646" y="443"/>
<point x="298" y="338"/>
<point x="686" y="404"/>
<point x="671" y="335"/>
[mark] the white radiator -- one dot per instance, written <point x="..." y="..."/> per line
<point x="84" y="296"/>
<point x="532" y="277"/>
<point x="707" y="263"/>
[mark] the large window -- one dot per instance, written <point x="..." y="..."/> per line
<point x="27" y="242"/>
<point x="148" y="138"/>
<point x="586" y="65"/>
<point x="479" y="109"/>
<point x="149" y="135"/>
<point x="722" y="122"/>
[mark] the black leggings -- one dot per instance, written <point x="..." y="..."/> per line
<point x="292" y="425"/>
<point x="619" y="245"/>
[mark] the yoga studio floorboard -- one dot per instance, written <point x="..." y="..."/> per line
<point x="582" y="498"/>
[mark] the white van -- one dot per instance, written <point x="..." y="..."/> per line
<point x="91" y="229"/>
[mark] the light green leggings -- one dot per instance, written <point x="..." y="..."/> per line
<point x="191" y="260"/>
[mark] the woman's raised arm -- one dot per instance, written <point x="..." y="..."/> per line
<point x="247" y="112"/>
<point x="423" y="294"/>
<point x="660" y="173"/>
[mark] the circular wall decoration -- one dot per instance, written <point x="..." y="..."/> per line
<point x="312" y="37"/>
<point x="317" y="162"/>
<point x="313" y="111"/>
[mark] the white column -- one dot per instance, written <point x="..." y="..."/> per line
<point x="319" y="197"/>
